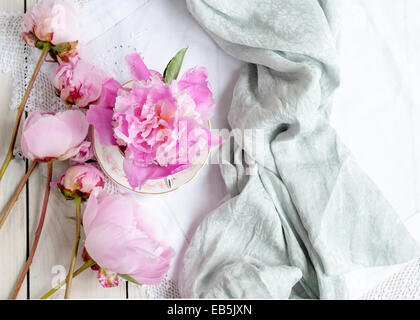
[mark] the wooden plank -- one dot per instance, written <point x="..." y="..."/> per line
<point x="136" y="292"/>
<point x="12" y="5"/>
<point x="13" y="233"/>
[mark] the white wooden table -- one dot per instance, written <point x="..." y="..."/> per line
<point x="17" y="234"/>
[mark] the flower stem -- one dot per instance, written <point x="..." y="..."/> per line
<point x="37" y="234"/>
<point x="21" y="108"/>
<point x="78" y="201"/>
<point x="17" y="193"/>
<point x="87" y="265"/>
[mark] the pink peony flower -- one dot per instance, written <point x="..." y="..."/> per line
<point x="85" y="153"/>
<point x="55" y="22"/>
<point x="80" y="180"/>
<point x="120" y="236"/>
<point x="160" y="126"/>
<point x="79" y="83"/>
<point x="48" y="136"/>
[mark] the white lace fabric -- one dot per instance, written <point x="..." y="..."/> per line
<point x="18" y="60"/>
<point x="404" y="285"/>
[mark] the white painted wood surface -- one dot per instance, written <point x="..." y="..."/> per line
<point x="13" y="234"/>
<point x="56" y="242"/>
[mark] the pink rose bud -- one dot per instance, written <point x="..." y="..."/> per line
<point x="49" y="136"/>
<point x="121" y="236"/>
<point x="85" y="153"/>
<point x="55" y="22"/>
<point x="79" y="83"/>
<point x="79" y="181"/>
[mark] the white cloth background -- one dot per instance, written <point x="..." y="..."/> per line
<point x="383" y="32"/>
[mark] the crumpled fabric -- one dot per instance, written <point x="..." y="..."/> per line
<point x="308" y="215"/>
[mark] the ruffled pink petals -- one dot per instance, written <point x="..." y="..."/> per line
<point x="79" y="82"/>
<point x="138" y="69"/>
<point x="108" y="278"/>
<point x="158" y="126"/>
<point x="195" y="82"/>
<point x="85" y="153"/>
<point x="80" y="180"/>
<point x="49" y="136"/>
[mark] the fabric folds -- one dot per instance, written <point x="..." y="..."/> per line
<point x="308" y="215"/>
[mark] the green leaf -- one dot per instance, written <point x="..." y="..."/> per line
<point x="174" y="66"/>
<point x="128" y="278"/>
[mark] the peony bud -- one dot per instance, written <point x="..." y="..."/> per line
<point x="80" y="180"/>
<point x="79" y="83"/>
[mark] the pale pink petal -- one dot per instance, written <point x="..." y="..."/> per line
<point x="138" y="69"/>
<point x="137" y="175"/>
<point x="76" y="125"/>
<point x="106" y="245"/>
<point x="194" y="81"/>
<point x="109" y="93"/>
<point x="101" y="119"/>
<point x="91" y="210"/>
<point x="46" y="139"/>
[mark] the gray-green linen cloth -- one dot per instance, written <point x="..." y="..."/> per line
<point x="310" y="214"/>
